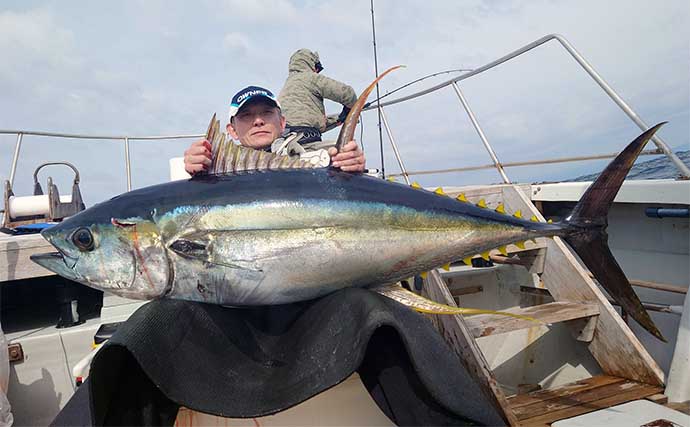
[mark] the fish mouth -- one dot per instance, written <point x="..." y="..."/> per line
<point x="56" y="262"/>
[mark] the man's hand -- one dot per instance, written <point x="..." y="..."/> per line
<point x="197" y="157"/>
<point x="349" y="159"/>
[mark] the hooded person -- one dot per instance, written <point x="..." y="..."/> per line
<point x="302" y="97"/>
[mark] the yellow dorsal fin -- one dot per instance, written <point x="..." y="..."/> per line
<point x="500" y="208"/>
<point x="503" y="250"/>
<point x="439" y="191"/>
<point x="446" y="267"/>
<point x="481" y="203"/>
<point x="520" y="245"/>
<point x="534" y="218"/>
<point x="467" y="260"/>
<point x="415" y="185"/>
<point x="518" y="214"/>
<point x="423" y="274"/>
<point x="461" y="198"/>
<point x="485" y="255"/>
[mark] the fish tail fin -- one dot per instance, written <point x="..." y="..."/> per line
<point x="586" y="233"/>
<point x="424" y="305"/>
<point x="347" y="131"/>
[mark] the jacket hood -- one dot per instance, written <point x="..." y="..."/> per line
<point x="303" y="60"/>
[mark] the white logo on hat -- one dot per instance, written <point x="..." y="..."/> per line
<point x="251" y="93"/>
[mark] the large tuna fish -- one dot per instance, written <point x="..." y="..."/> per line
<point x="269" y="230"/>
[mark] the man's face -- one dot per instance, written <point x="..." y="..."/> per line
<point x="257" y="124"/>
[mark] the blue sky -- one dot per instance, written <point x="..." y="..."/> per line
<point x="164" y="67"/>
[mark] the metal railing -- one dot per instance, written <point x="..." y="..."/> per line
<point x="20" y="134"/>
<point x="662" y="147"/>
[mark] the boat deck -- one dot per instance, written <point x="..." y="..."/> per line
<point x="543" y="407"/>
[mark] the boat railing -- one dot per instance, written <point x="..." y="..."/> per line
<point x="662" y="147"/>
<point x="125" y="139"/>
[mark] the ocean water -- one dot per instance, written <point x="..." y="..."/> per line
<point x="659" y="168"/>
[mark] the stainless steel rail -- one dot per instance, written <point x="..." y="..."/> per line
<point x="126" y="139"/>
<point x="684" y="170"/>
<point x="395" y="147"/>
<point x="662" y="147"/>
<point x="525" y="163"/>
<point x="485" y="141"/>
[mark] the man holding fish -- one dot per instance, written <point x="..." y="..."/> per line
<point x="256" y="121"/>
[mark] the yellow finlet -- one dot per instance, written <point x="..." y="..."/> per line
<point x="520" y="245"/>
<point x="518" y="214"/>
<point x="461" y="198"/>
<point x="485" y="255"/>
<point x="415" y="185"/>
<point x="503" y="250"/>
<point x="534" y="218"/>
<point x="500" y="208"/>
<point x="439" y="191"/>
<point x="390" y="179"/>
<point x="467" y="260"/>
<point x="423" y="274"/>
<point x="550" y="221"/>
<point x="482" y="203"/>
<point x="446" y="267"/>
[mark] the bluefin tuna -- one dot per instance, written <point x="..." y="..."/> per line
<point x="264" y="230"/>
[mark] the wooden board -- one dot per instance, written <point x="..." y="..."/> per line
<point x="614" y="346"/>
<point x="461" y="341"/>
<point x="546" y="406"/>
<point x="14" y="256"/>
<point x="683" y="407"/>
<point x="517" y="402"/>
<point x="483" y="325"/>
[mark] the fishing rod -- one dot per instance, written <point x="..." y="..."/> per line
<point x="368" y="104"/>
<point x="378" y="94"/>
<point x="378" y="98"/>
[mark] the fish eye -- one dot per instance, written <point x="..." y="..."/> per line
<point x="83" y="239"/>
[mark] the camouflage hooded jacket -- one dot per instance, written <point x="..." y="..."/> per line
<point x="301" y="98"/>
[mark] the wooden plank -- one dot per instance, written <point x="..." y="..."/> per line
<point x="683" y="407"/>
<point x="614" y="346"/>
<point x="588" y="401"/>
<point x="461" y="341"/>
<point x="658" y="398"/>
<point x="655" y="286"/>
<point x="14" y="256"/>
<point x="583" y="329"/>
<point x="565" y="390"/>
<point x="483" y="325"/>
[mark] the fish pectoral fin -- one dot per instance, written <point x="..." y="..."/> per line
<point x="424" y="305"/>
<point x="202" y="252"/>
<point x="189" y="248"/>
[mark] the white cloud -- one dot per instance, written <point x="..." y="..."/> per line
<point x="266" y="12"/>
<point x="31" y="42"/>
<point x="236" y="43"/>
